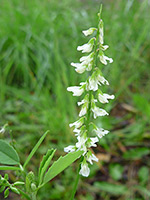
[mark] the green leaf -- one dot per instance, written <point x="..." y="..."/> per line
<point x="8" y="154"/>
<point x="15" y="190"/>
<point x="2" y="188"/>
<point x="143" y="174"/>
<point x="45" y="163"/>
<point x="6" y="193"/>
<point x="143" y="190"/>
<point x="9" y="168"/>
<point x="136" y="153"/>
<point x="35" y="148"/>
<point x="111" y="188"/>
<point x="116" y="171"/>
<point x="61" y="164"/>
<point x="30" y="178"/>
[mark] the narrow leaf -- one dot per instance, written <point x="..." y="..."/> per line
<point x="35" y="149"/>
<point x="8" y="154"/>
<point x="61" y="164"/>
<point x="9" y="168"/>
<point x="116" y="189"/>
<point x="45" y="163"/>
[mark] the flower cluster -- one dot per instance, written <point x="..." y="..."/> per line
<point x="91" y="88"/>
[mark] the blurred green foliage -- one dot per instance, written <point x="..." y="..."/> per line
<point x="38" y="41"/>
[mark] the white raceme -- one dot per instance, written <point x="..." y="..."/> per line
<point x="91" y="88"/>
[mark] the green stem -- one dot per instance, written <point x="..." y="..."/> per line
<point x="90" y="92"/>
<point x="24" y="194"/>
<point x="76" y="183"/>
<point x="34" y="196"/>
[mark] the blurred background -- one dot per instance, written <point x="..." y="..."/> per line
<point x="38" y="41"/>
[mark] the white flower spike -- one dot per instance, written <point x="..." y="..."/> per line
<point x="91" y="88"/>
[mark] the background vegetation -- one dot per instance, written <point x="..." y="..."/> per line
<point x="38" y="40"/>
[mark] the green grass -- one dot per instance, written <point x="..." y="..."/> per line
<point x="38" y="41"/>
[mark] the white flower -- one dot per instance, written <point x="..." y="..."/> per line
<point x="78" y="123"/>
<point x="77" y="90"/>
<point x="81" y="102"/>
<point x="91" y="158"/>
<point x="79" y="67"/>
<point x="95" y="80"/>
<point x="83" y="109"/>
<point x="100" y="132"/>
<point x="93" y="83"/>
<point x="89" y="67"/>
<point x="104" y="59"/>
<point x="2" y="130"/>
<point x="81" y="143"/>
<point x="70" y="148"/>
<point x="86" y="60"/>
<point x="84" y="171"/>
<point x="77" y="131"/>
<point x="104" y="47"/>
<point x="86" y="48"/>
<point x="102" y="79"/>
<point x="93" y="141"/>
<point x="98" y="112"/>
<point x="103" y="98"/>
<point x="101" y="32"/>
<point x="89" y="31"/>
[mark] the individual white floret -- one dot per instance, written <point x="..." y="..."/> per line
<point x="102" y="80"/>
<point x="70" y="148"/>
<point x="104" y="58"/>
<point x="77" y="90"/>
<point x="92" y="141"/>
<point x="95" y="80"/>
<point x="84" y="171"/>
<point x="87" y="59"/>
<point x="84" y="109"/>
<point x="81" y="143"/>
<point x="98" y="112"/>
<point x="77" y="123"/>
<point x="100" y="132"/>
<point x="89" y="31"/>
<point x="91" y="157"/>
<point x="86" y="48"/>
<point x="79" y="67"/>
<point x="103" y="98"/>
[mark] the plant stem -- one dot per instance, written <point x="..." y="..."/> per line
<point x="24" y="194"/>
<point x="76" y="183"/>
<point x="34" y="196"/>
